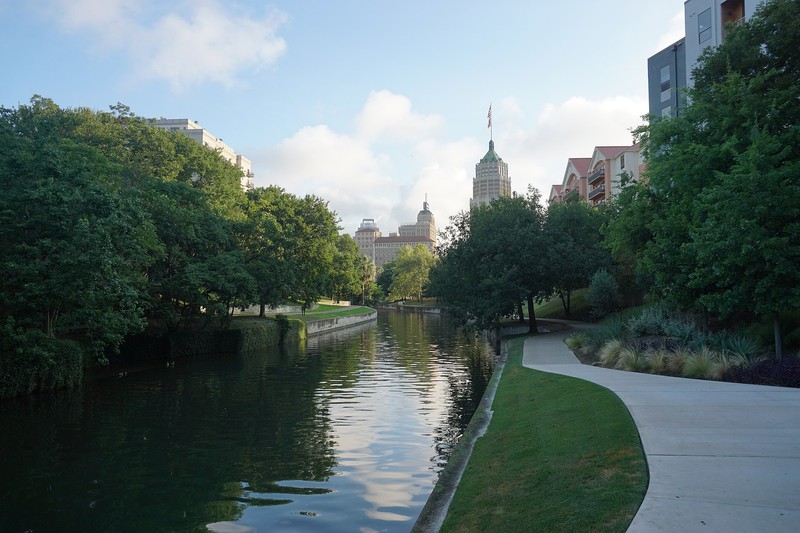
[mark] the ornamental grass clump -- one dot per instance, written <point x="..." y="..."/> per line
<point x="677" y="360"/>
<point x="632" y="359"/>
<point x="657" y="360"/>
<point x="610" y="353"/>
<point x="699" y="364"/>
<point x="576" y="341"/>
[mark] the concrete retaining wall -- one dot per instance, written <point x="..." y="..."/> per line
<point x="329" y="324"/>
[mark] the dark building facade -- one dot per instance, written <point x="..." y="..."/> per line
<point x="666" y="79"/>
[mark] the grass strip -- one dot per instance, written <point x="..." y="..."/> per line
<point x="311" y="317"/>
<point x="560" y="454"/>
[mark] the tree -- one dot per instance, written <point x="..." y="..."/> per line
<point x="491" y="261"/>
<point x="365" y="272"/>
<point x="411" y="270"/>
<point x="573" y="247"/>
<point x="724" y="177"/>
<point x="76" y="241"/>
<point x="345" y="276"/>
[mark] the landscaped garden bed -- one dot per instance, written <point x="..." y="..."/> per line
<point x="659" y="341"/>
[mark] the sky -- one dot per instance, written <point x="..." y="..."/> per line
<point x="370" y="105"/>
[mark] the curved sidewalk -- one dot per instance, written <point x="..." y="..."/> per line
<point x="721" y="456"/>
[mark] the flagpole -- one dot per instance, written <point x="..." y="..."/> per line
<point x="491" y="129"/>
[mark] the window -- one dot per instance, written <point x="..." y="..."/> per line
<point x="622" y="162"/>
<point x="666" y="112"/>
<point x="704" y="25"/>
<point x="665" y="85"/>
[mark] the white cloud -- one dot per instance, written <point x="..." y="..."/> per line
<point x="675" y="31"/>
<point x="336" y="167"/>
<point x="389" y="182"/>
<point x="192" y="43"/>
<point x="538" y="154"/>
<point x="388" y="116"/>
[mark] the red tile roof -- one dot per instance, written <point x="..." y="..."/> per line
<point x="581" y="164"/>
<point x="610" y="152"/>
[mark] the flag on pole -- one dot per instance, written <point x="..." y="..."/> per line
<point x="489" y="116"/>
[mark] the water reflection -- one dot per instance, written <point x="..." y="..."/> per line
<point x="345" y="434"/>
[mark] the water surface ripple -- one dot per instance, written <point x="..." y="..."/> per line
<point x="346" y="434"/>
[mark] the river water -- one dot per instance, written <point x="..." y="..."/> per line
<point x="345" y="434"/>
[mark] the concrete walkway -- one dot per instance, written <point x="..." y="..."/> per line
<point x="723" y="457"/>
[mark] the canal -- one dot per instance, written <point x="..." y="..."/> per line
<point x="348" y="433"/>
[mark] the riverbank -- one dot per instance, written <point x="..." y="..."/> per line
<point x="543" y="464"/>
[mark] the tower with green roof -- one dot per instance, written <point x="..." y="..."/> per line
<point x="491" y="179"/>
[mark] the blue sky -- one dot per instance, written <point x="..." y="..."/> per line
<point x="368" y="104"/>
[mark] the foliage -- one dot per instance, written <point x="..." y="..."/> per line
<point x="108" y="222"/>
<point x="603" y="295"/>
<point x="572" y="241"/>
<point x="491" y="261"/>
<point x="723" y="198"/>
<point x="410" y="272"/>
<point x="29" y="361"/>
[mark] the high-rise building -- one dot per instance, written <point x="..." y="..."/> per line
<point x="192" y="129"/>
<point x="666" y="75"/>
<point x="491" y="179"/>
<point x="670" y="70"/>
<point x="365" y="237"/>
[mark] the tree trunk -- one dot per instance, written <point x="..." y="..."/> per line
<point x="520" y="312"/>
<point x="569" y="302"/>
<point x="262" y="310"/>
<point x="531" y="316"/>
<point x="776" y="323"/>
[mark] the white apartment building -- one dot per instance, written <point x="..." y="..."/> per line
<point x="705" y="22"/>
<point x="192" y="129"/>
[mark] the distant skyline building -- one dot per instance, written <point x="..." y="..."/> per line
<point x="491" y="178"/>
<point x="192" y="129"/>
<point x="383" y="250"/>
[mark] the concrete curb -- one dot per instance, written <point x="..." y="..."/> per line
<point x="433" y="514"/>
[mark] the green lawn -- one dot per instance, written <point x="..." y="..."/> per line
<point x="320" y="314"/>
<point x="560" y="454"/>
<point x="553" y="308"/>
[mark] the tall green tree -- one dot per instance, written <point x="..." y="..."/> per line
<point x="724" y="177"/>
<point x="493" y="259"/>
<point x="411" y="271"/>
<point x="573" y="247"/>
<point x="344" y="278"/>
<point x="76" y="242"/>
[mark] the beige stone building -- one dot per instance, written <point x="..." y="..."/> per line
<point x="192" y="129"/>
<point x="491" y="179"/>
<point x="383" y="250"/>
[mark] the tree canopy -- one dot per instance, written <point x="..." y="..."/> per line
<point x="722" y="196"/>
<point x="108" y="222"/>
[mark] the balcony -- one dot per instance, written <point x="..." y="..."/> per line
<point x="597" y="191"/>
<point x="571" y="196"/>
<point x="597" y="175"/>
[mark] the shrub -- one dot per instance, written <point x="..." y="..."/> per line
<point x="576" y="341"/>
<point x="743" y="347"/>
<point x="632" y="359"/>
<point x="603" y="294"/>
<point x="29" y="362"/>
<point x="612" y="327"/>
<point x="657" y="360"/>
<point x="649" y="323"/>
<point x="610" y="352"/>
<point x="677" y="360"/>
<point x="699" y="364"/>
